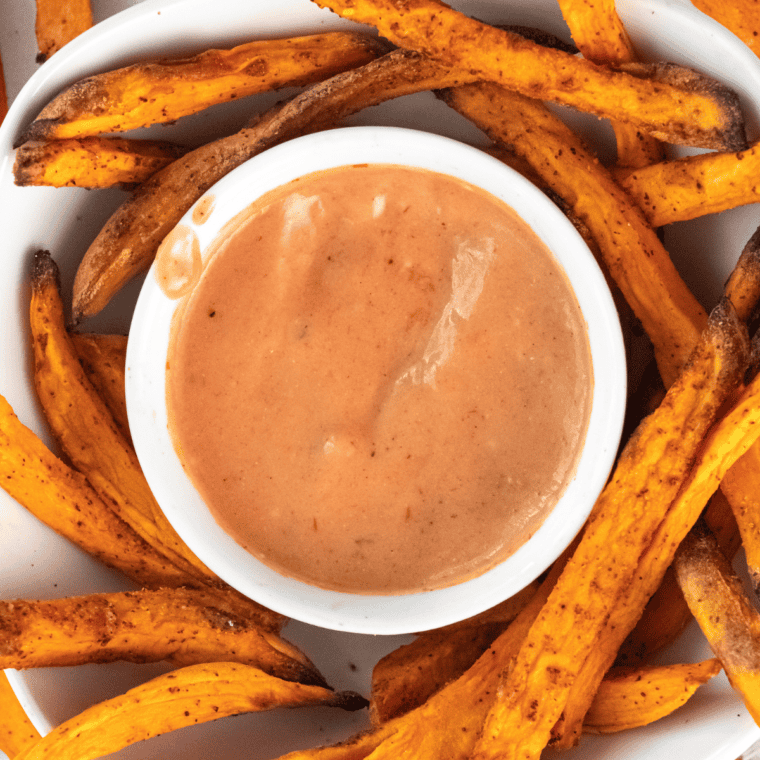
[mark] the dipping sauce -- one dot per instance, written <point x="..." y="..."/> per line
<point x="381" y="381"/>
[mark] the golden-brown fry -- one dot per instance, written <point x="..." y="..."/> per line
<point x="185" y="697"/>
<point x="739" y="16"/>
<point x="85" y="429"/>
<point x="668" y="102"/>
<point x="690" y="187"/>
<point x="585" y="605"/>
<point x="405" y="678"/>
<point x="92" y="162"/>
<point x="729" y="621"/>
<point x="632" y="252"/>
<point x="103" y="359"/>
<point x="141" y="626"/>
<point x="600" y="35"/>
<point x="16" y="730"/>
<point x="743" y="286"/>
<point x="128" y="242"/>
<point x="59" y="22"/>
<point x="632" y="697"/>
<point x="155" y="93"/>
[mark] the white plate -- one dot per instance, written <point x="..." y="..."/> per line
<point x="35" y="563"/>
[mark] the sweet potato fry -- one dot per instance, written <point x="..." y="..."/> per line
<point x="59" y="22"/>
<point x="85" y="429"/>
<point x="667" y="102"/>
<point x="729" y="621"/>
<point x="632" y="252"/>
<point x="63" y="499"/>
<point x="605" y="570"/>
<point x="92" y="162"/>
<point x="155" y="93"/>
<point x="601" y="37"/>
<point x="632" y="697"/>
<point x="103" y="359"/>
<point x="405" y="678"/>
<point x="16" y="730"/>
<point x="185" y="697"/>
<point x="141" y="626"/>
<point x="128" y="242"/>
<point x="690" y="187"/>
<point x="739" y="16"/>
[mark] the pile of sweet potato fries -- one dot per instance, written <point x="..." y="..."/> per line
<point x="567" y="655"/>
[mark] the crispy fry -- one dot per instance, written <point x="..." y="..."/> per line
<point x="601" y="37"/>
<point x="668" y="102"/>
<point x="628" y="698"/>
<point x="405" y="678"/>
<point x="690" y="187"/>
<point x="633" y="255"/>
<point x="729" y="621"/>
<point x="128" y="242"/>
<point x="163" y="91"/>
<point x="185" y="697"/>
<point x="92" y="162"/>
<point x="85" y="429"/>
<point x="59" y="22"/>
<point x="103" y="359"/>
<point x="605" y="570"/>
<point x="141" y="626"/>
<point x="739" y="16"/>
<point x="17" y="732"/>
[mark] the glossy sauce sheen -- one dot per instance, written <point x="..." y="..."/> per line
<point x="381" y="382"/>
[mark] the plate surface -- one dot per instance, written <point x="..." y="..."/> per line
<point x="36" y="563"/>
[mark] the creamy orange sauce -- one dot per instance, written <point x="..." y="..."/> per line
<point x="381" y="382"/>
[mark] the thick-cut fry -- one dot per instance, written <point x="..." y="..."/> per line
<point x="667" y="102"/>
<point x="85" y="428"/>
<point x="729" y="621"/>
<point x="739" y="16"/>
<point x="92" y="162"/>
<point x="605" y="571"/>
<point x="59" y="22"/>
<point x="628" y="698"/>
<point x="155" y="93"/>
<point x="185" y="697"/>
<point x="405" y="678"/>
<point x="103" y="359"/>
<point x="141" y="626"/>
<point x="128" y="242"/>
<point x="600" y="35"/>
<point x="632" y="252"/>
<point x="690" y="187"/>
<point x="17" y="732"/>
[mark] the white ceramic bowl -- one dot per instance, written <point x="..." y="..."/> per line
<point x="149" y="343"/>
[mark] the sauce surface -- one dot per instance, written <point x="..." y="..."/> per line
<point x="381" y="382"/>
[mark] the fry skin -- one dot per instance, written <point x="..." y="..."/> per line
<point x="600" y="35"/>
<point x="628" y="698"/>
<point x="91" y="162"/>
<point x="156" y="93"/>
<point x="103" y="359"/>
<point x="141" y="626"/>
<point x="58" y="22"/>
<point x="729" y="621"/>
<point x="666" y="102"/>
<point x="690" y="187"/>
<point x="632" y="253"/>
<point x="185" y="697"/>
<point x="16" y="730"/>
<point x="128" y="242"/>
